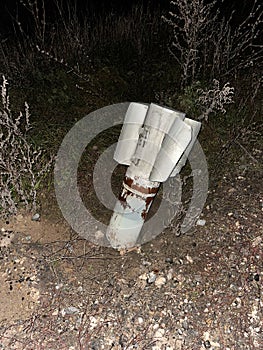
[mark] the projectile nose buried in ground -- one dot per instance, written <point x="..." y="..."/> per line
<point x="154" y="142"/>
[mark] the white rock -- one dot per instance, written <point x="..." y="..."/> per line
<point x="156" y="326"/>
<point x="143" y="277"/>
<point x="93" y="322"/>
<point x="80" y="289"/>
<point x="160" y="281"/>
<point x="55" y="313"/>
<point x="151" y="277"/>
<point x="140" y="320"/>
<point x="189" y="259"/>
<point x="59" y="286"/>
<point x="159" y="333"/>
<point x="200" y="222"/>
<point x="71" y="310"/>
<point x="36" y="217"/>
<point x="170" y="274"/>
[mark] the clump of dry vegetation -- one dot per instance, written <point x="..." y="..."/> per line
<point x="21" y="164"/>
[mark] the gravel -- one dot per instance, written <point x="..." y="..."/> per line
<point x="197" y="291"/>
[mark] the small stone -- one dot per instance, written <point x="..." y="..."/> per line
<point x="160" y="281"/>
<point x="237" y="302"/>
<point x="143" y="277"/>
<point x="180" y="331"/>
<point x="71" y="310"/>
<point x="95" y="148"/>
<point x="151" y="277"/>
<point x="36" y="217"/>
<point x="231" y="190"/>
<point x="140" y="320"/>
<point x="55" y="313"/>
<point x="170" y="274"/>
<point x="200" y="222"/>
<point x="93" y="322"/>
<point x="159" y="333"/>
<point x="256" y="241"/>
<point x="185" y="325"/>
<point x="189" y="259"/>
<point x="207" y="344"/>
<point x="59" y="286"/>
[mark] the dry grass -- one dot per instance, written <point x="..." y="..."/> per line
<point x="21" y="164"/>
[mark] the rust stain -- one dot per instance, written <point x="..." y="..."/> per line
<point x="132" y="184"/>
<point x="126" y="193"/>
<point x="123" y="198"/>
<point x="148" y="202"/>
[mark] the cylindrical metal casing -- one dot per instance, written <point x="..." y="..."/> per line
<point x="130" y="211"/>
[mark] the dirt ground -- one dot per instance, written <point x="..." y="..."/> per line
<point x="197" y="291"/>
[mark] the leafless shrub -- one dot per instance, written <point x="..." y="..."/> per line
<point x="234" y="48"/>
<point x="206" y="43"/>
<point x="191" y="22"/>
<point x="215" y="99"/>
<point x="37" y="11"/>
<point x="21" y="164"/>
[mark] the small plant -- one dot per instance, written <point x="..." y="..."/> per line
<point x="215" y="99"/>
<point x="202" y="102"/>
<point x="188" y="100"/>
<point x="21" y="164"/>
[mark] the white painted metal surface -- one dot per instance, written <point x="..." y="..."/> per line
<point x="130" y="211"/>
<point x="155" y="142"/>
<point x="129" y="135"/>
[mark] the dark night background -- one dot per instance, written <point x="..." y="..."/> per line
<point x="12" y="9"/>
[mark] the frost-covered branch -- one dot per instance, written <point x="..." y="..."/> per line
<point x="21" y="164"/>
<point x="215" y="99"/>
